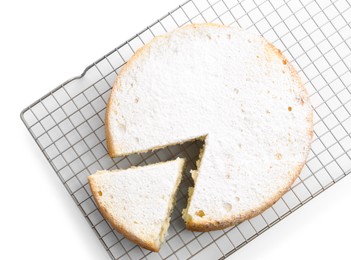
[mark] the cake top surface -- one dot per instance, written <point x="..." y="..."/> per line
<point x="231" y="87"/>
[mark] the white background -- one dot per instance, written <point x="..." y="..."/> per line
<point x="43" y="43"/>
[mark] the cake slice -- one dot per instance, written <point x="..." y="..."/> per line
<point x="138" y="201"/>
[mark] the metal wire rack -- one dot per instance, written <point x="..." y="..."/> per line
<point x="68" y="123"/>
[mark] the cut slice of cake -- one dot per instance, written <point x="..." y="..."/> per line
<point x="235" y="90"/>
<point x="138" y="201"/>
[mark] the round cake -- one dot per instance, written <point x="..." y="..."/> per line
<point x="234" y="90"/>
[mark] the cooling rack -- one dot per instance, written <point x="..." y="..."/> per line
<point x="68" y="123"/>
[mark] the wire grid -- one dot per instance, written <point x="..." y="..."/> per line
<point x="68" y="122"/>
